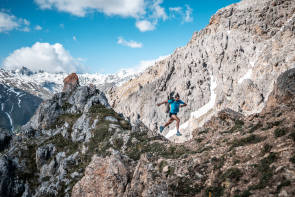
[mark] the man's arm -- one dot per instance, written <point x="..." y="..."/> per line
<point x="162" y="103"/>
<point x="183" y="104"/>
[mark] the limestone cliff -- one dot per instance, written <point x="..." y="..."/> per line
<point x="232" y="63"/>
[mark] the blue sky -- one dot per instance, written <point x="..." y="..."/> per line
<point x="97" y="35"/>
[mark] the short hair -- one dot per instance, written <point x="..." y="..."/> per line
<point x="177" y="96"/>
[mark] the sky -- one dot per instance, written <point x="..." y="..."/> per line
<point x="97" y="36"/>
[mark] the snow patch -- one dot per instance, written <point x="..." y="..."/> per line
<point x="10" y="120"/>
<point x="246" y="76"/>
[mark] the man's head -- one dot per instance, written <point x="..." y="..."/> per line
<point x="177" y="97"/>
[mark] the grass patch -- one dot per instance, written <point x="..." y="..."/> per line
<point x="143" y="144"/>
<point x="203" y="149"/>
<point x="69" y="118"/>
<point x="199" y="140"/>
<point x="292" y="135"/>
<point x="245" y="193"/>
<point x="283" y="183"/>
<point x="184" y="187"/>
<point x="279" y="132"/>
<point x="218" y="162"/>
<point x="264" y="171"/>
<point x="251" y="139"/>
<point x="203" y="131"/>
<point x="118" y="143"/>
<point x="238" y="125"/>
<point x="233" y="174"/>
<point x="292" y="159"/>
<point x="270" y="125"/>
<point x="266" y="149"/>
<point x="255" y="127"/>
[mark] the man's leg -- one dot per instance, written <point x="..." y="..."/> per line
<point x="169" y="122"/>
<point x="166" y="124"/>
<point x="177" y="123"/>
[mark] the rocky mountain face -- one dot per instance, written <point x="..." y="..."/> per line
<point x="232" y="63"/>
<point x="76" y="145"/>
<point x="16" y="107"/>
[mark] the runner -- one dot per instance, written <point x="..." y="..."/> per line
<point x="174" y="109"/>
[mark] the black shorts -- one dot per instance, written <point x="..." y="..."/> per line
<point x="170" y="114"/>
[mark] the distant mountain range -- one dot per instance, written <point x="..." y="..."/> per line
<point x="22" y="90"/>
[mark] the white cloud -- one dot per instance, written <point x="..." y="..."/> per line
<point x="131" y="43"/>
<point x="188" y="14"/>
<point x="38" y="27"/>
<point x="158" y="11"/>
<point x="26" y="22"/>
<point x="145" y="25"/>
<point x="74" y="38"/>
<point x="25" y="29"/>
<point x="125" y="8"/>
<point x="142" y="65"/>
<point x="7" y="22"/>
<point x="10" y="22"/>
<point x="175" y="9"/>
<point x="43" y="56"/>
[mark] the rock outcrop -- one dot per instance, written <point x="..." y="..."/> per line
<point x="232" y="63"/>
<point x="71" y="82"/>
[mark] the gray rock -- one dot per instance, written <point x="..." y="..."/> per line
<point x="44" y="153"/>
<point x="5" y="137"/>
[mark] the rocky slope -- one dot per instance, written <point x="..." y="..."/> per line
<point x="232" y="63"/>
<point x="76" y="145"/>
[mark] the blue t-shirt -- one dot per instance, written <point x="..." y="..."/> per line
<point x="174" y="105"/>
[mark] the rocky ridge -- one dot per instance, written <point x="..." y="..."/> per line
<point x="232" y="63"/>
<point x="76" y="145"/>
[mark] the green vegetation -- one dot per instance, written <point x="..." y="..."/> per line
<point x="238" y="125"/>
<point x="101" y="112"/>
<point x="66" y="106"/>
<point x="279" y="132"/>
<point x="218" y="162"/>
<point x="245" y="193"/>
<point x="233" y="174"/>
<point x="292" y="135"/>
<point x="292" y="159"/>
<point x="251" y="139"/>
<point x="283" y="183"/>
<point x="143" y="145"/>
<point x="69" y="118"/>
<point x="255" y="127"/>
<point x="266" y="149"/>
<point x="184" y="186"/>
<point x="270" y="125"/>
<point x="264" y="171"/>
<point x="204" y="131"/>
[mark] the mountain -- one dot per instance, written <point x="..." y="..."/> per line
<point x="17" y="107"/>
<point x="77" y="145"/>
<point x="22" y="91"/>
<point x="44" y="84"/>
<point x="232" y="63"/>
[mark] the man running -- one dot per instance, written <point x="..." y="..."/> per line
<point x="174" y="109"/>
